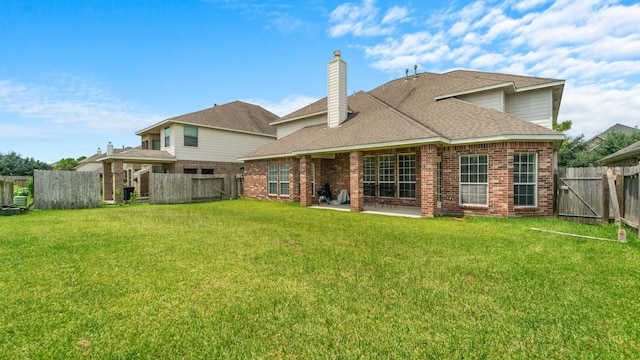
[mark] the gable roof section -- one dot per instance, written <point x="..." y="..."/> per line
<point x="405" y="112"/>
<point x="234" y="116"/>
<point x="139" y="155"/>
<point x="624" y="153"/>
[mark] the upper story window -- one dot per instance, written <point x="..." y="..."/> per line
<point x="525" y="175"/>
<point x="145" y="145"/>
<point x="474" y="180"/>
<point x="167" y="137"/>
<point x="155" y="144"/>
<point x="190" y="136"/>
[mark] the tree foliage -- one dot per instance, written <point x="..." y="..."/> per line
<point x="68" y="163"/>
<point x="573" y="152"/>
<point x="13" y="164"/>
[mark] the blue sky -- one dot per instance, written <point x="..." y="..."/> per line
<point x="75" y="75"/>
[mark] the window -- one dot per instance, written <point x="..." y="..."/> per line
<point x="272" y="179"/>
<point x="155" y="144"/>
<point x="190" y="171"/>
<point x="167" y="137"/>
<point x="190" y="136"/>
<point x="207" y="171"/>
<point x="145" y="145"/>
<point x="369" y="175"/>
<point x="407" y="176"/>
<point x="439" y="182"/>
<point x="525" y="176"/>
<point x="474" y="180"/>
<point x="156" y="169"/>
<point x="386" y="175"/>
<point x="284" y="179"/>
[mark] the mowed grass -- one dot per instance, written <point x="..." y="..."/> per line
<point x="254" y="279"/>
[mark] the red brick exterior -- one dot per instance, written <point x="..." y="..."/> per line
<point x="345" y="171"/>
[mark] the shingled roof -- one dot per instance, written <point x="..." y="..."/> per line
<point x="234" y="116"/>
<point x="410" y="111"/>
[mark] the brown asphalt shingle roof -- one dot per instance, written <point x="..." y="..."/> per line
<point x="236" y="115"/>
<point x="405" y="111"/>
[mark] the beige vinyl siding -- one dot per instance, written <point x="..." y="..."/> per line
<point x="218" y="145"/>
<point x="493" y="99"/>
<point x="293" y="126"/>
<point x="535" y="106"/>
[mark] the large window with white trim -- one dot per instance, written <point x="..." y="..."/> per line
<point x="407" y="176"/>
<point x="474" y="175"/>
<point x="369" y="175"/>
<point x="272" y="179"/>
<point x="386" y="175"/>
<point x="283" y="179"/>
<point x="525" y="175"/>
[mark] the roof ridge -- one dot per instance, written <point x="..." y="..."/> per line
<point x="407" y="117"/>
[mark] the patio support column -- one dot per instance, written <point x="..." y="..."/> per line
<point x="107" y="181"/>
<point x="118" y="188"/>
<point x="356" y="188"/>
<point x="306" y="197"/>
<point x="428" y="179"/>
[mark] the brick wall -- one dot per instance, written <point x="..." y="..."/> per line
<point x="500" y="157"/>
<point x="256" y="182"/>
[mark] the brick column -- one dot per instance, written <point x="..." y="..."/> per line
<point x="306" y="197"/>
<point x="107" y="182"/>
<point x="428" y="179"/>
<point x="118" y="188"/>
<point x="356" y="188"/>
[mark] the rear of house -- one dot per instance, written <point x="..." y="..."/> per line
<point x="462" y="142"/>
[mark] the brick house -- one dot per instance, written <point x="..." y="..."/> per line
<point x="461" y="142"/>
<point x="209" y="141"/>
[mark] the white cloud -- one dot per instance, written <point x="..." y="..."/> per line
<point x="286" y="105"/>
<point x="364" y="19"/>
<point x="73" y="101"/>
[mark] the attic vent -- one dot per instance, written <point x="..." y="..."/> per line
<point x="415" y="71"/>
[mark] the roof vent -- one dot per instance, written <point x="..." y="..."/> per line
<point x="406" y="74"/>
<point x="415" y="71"/>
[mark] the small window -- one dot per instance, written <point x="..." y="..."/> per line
<point x="474" y="183"/>
<point x="369" y="175"/>
<point x="155" y="144"/>
<point x="407" y="176"/>
<point x="167" y="137"/>
<point x="525" y="175"/>
<point x="386" y="175"/>
<point x="145" y="145"/>
<point x="284" y="179"/>
<point x="272" y="179"/>
<point x="156" y="169"/>
<point x="190" y="136"/>
<point x="207" y="171"/>
<point x="190" y="171"/>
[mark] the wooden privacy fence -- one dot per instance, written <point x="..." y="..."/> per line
<point x="6" y="191"/>
<point x="595" y="195"/>
<point x="66" y="189"/>
<point x="186" y="188"/>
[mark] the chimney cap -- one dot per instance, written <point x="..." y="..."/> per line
<point x="336" y="54"/>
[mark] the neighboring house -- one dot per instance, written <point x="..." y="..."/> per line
<point x="209" y="141"/>
<point x="629" y="156"/>
<point x="92" y="162"/>
<point x="462" y="142"/>
<point x="596" y="140"/>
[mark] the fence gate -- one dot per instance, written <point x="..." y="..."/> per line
<point x="186" y="188"/>
<point x="580" y="195"/>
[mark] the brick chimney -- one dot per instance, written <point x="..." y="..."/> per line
<point x="337" y="91"/>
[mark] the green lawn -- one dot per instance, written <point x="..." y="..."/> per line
<point x="254" y="279"/>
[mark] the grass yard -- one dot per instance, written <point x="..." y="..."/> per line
<point x="254" y="279"/>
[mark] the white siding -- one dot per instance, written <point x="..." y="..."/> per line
<point x="217" y="145"/>
<point x="535" y="106"/>
<point x="493" y="99"/>
<point x="291" y="127"/>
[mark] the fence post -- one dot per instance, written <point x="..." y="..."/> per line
<point x="605" y="199"/>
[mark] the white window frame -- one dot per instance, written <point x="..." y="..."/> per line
<point x="369" y="175"/>
<point x="283" y="179"/>
<point x="407" y="174"/>
<point x="188" y="138"/>
<point x="527" y="177"/>
<point x="167" y="136"/>
<point x="386" y="173"/>
<point x="272" y="179"/>
<point x="473" y="180"/>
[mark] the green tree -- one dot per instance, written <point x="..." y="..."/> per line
<point x="13" y="164"/>
<point x="68" y="163"/>
<point x="613" y="142"/>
